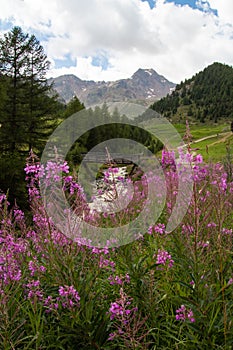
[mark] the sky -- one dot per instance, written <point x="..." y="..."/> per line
<point x="110" y="39"/>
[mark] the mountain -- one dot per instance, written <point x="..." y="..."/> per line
<point x="207" y="96"/>
<point x="145" y="86"/>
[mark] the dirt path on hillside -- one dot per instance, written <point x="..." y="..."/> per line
<point x="225" y="134"/>
<point x="223" y="139"/>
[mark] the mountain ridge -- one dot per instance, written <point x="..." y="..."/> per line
<point x="145" y="86"/>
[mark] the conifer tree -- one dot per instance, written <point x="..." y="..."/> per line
<point x="27" y="110"/>
<point x="73" y="106"/>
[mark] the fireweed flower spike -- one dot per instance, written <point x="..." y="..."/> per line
<point x="184" y="314"/>
<point x="164" y="258"/>
<point x="69" y="297"/>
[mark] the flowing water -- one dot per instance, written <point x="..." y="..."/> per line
<point x="107" y="190"/>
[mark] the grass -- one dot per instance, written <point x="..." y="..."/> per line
<point x="213" y="149"/>
<point x="201" y="130"/>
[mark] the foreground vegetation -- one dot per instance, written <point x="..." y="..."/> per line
<point x="163" y="291"/>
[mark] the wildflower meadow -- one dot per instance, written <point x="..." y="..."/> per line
<point x="164" y="290"/>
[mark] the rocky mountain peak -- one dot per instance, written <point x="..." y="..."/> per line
<point x="145" y="86"/>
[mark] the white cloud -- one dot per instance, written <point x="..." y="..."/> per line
<point x="177" y="41"/>
<point x="225" y="9"/>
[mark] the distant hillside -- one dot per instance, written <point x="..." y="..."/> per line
<point x="207" y="96"/>
<point x="145" y="86"/>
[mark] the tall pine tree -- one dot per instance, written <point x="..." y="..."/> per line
<point x="27" y="120"/>
<point x="27" y="111"/>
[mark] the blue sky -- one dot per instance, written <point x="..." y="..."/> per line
<point x="196" y="5"/>
<point x="6" y="24"/>
<point x="66" y="61"/>
<point x="111" y="39"/>
<point x="192" y="3"/>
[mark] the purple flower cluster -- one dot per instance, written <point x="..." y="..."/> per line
<point x="51" y="304"/>
<point x="119" y="280"/>
<point x="168" y="159"/>
<point x="227" y="231"/>
<point x="12" y="255"/>
<point x="187" y="229"/>
<point x="106" y="263"/>
<point x="120" y="308"/>
<point x="34" y="267"/>
<point x="18" y="215"/>
<point x="159" y="228"/>
<point x="51" y="172"/>
<point x="72" y="186"/>
<point x="34" y="169"/>
<point x="69" y="297"/>
<point x="116" y="310"/>
<point x="184" y="314"/>
<point x="2" y="198"/>
<point x="123" y="316"/>
<point x="33" y="291"/>
<point x="164" y="258"/>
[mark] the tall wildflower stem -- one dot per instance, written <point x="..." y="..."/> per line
<point x="196" y="221"/>
<point x="219" y="210"/>
<point x="188" y="138"/>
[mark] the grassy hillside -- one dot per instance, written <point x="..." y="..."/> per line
<point x="216" y="148"/>
<point x="212" y="141"/>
